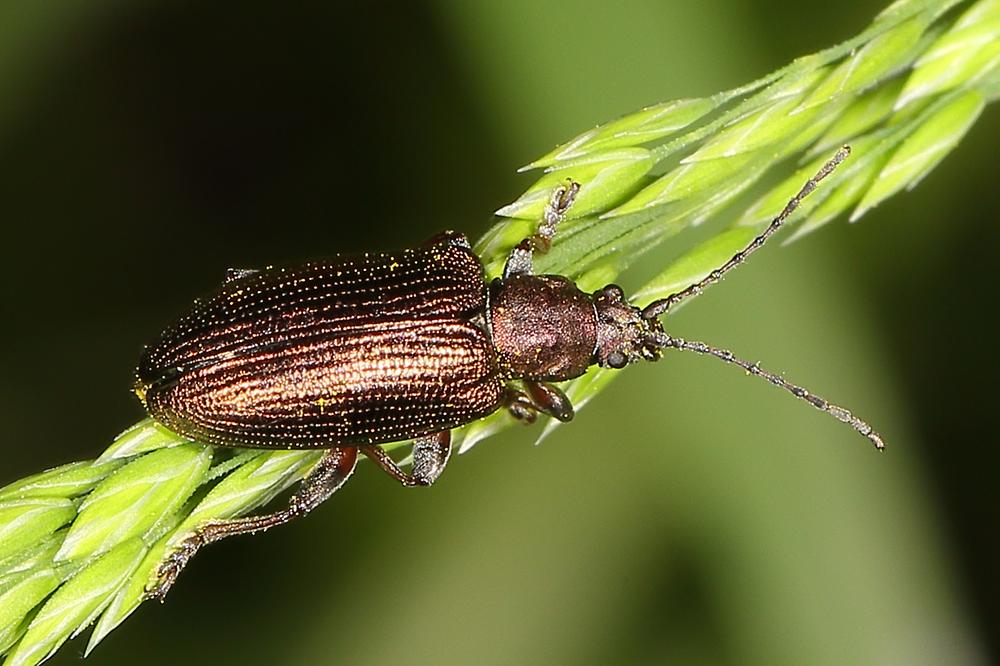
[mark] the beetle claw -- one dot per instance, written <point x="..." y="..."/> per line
<point x="172" y="567"/>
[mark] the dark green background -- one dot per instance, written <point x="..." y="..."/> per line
<point x="688" y="516"/>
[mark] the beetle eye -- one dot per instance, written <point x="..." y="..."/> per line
<point x="617" y="360"/>
<point x="613" y="291"/>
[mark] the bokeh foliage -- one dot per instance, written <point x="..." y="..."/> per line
<point x="620" y="220"/>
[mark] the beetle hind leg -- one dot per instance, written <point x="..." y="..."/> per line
<point x="430" y="456"/>
<point x="326" y="478"/>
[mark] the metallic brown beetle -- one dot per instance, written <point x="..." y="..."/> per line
<point x="352" y="353"/>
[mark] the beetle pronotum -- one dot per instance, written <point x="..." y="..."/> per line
<point x="349" y="354"/>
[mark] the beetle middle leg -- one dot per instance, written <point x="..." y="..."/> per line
<point x="430" y="456"/>
<point x="538" y="397"/>
<point x="520" y="260"/>
<point x="326" y="478"/>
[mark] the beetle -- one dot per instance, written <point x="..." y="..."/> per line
<point x="355" y="352"/>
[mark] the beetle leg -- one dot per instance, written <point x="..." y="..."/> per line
<point x="520" y="406"/>
<point x="555" y="211"/>
<point x="448" y="237"/>
<point x="550" y="400"/>
<point x="539" y="397"/>
<point x="430" y="455"/>
<point x="519" y="262"/>
<point x="326" y="478"/>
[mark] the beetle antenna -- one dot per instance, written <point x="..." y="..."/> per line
<point x="660" y="307"/>
<point x="819" y="403"/>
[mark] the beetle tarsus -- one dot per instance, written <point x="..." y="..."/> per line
<point x="519" y="262"/>
<point x="562" y="198"/>
<point x="171" y="568"/>
<point x="430" y="456"/>
<point x="520" y="406"/>
<point x="330" y="473"/>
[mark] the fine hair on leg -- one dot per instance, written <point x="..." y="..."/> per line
<point x="519" y="262"/>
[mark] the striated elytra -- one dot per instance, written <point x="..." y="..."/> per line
<point x="377" y="348"/>
<point x="351" y="353"/>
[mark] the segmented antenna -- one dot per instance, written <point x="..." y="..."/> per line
<point x="819" y="403"/>
<point x="660" y="307"/>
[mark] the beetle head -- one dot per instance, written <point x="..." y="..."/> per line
<point x="623" y="335"/>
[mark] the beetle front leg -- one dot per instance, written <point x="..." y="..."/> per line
<point x="539" y="397"/>
<point x="555" y="211"/>
<point x="324" y="480"/>
<point x="430" y="456"/>
<point x="550" y="400"/>
<point x="519" y="262"/>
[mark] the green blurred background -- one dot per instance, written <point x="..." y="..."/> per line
<point x="689" y="515"/>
